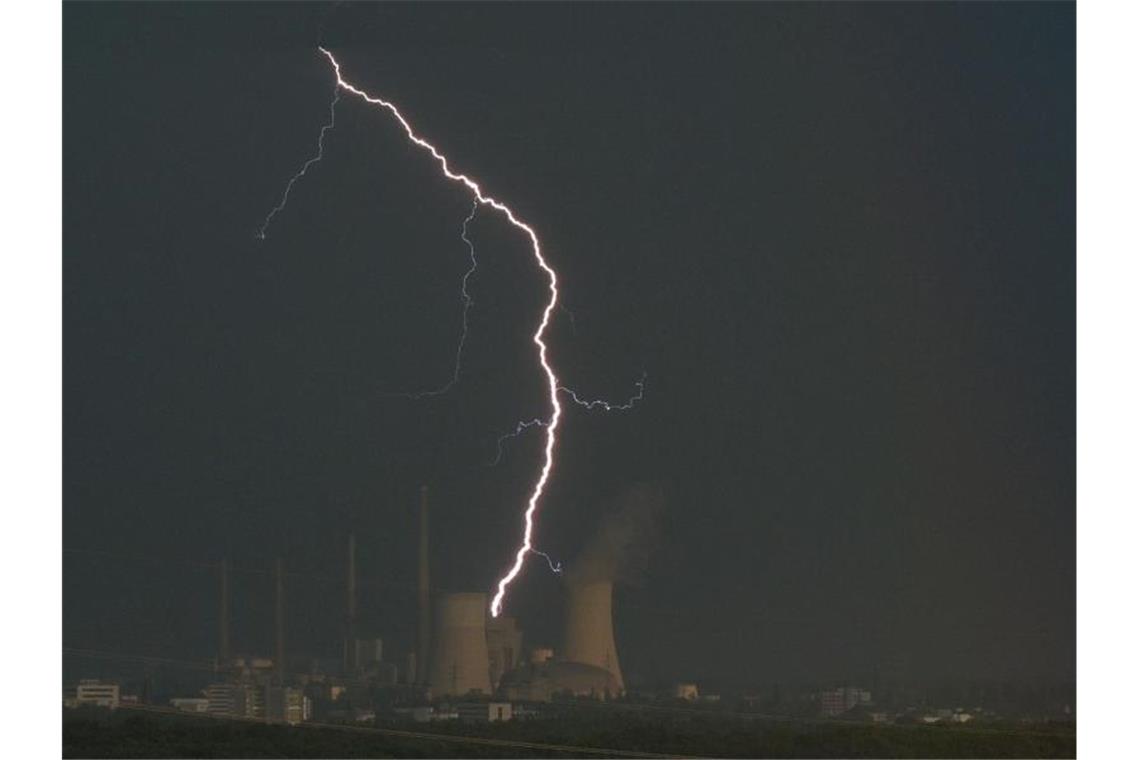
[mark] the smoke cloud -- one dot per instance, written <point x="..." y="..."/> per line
<point x="619" y="551"/>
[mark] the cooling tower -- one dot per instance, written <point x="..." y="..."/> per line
<point x="589" y="636"/>
<point x="504" y="645"/>
<point x="459" y="662"/>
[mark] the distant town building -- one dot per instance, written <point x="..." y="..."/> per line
<point x="686" y="691"/>
<point x="540" y="683"/>
<point x="235" y="700"/>
<point x="421" y="714"/>
<point x="97" y="693"/>
<point x="484" y="712"/>
<point x="369" y="652"/>
<point x="838" y="701"/>
<point x="286" y="704"/>
<point x="539" y="655"/>
<point x="191" y="704"/>
<point x="222" y="699"/>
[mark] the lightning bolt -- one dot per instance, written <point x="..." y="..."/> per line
<point x="468" y="302"/>
<point x="304" y="168"/>
<point x="519" y="429"/>
<point x="609" y="406"/>
<point x="555" y="567"/>
<point x="552" y="383"/>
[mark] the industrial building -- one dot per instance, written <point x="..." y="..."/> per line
<point x="838" y="701"/>
<point x="483" y="712"/>
<point x="97" y="693"/>
<point x="195" y="705"/>
<point x="459" y="653"/>
<point x="543" y="681"/>
<point x="460" y="664"/>
<point x="504" y="646"/>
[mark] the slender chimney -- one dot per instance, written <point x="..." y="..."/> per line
<point x="350" y="632"/>
<point x="424" y="629"/>
<point x="224" y="613"/>
<point x="279" y="621"/>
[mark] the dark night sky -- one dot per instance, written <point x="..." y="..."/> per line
<point x="839" y="239"/>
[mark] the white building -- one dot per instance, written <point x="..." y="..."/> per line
<point x="287" y="704"/>
<point x="235" y="700"/>
<point x="686" y="691"/>
<point x="191" y="704"/>
<point x="95" y="692"/>
<point x="839" y="701"/>
<point x="484" y="712"/>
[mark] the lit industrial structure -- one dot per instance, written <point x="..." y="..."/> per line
<point x="541" y="682"/>
<point x="459" y="663"/>
<point x="589" y="636"/>
<point x="458" y="651"/>
<point x="97" y="693"/>
<point x="504" y="646"/>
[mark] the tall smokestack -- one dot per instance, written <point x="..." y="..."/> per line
<point x="224" y="612"/>
<point x="459" y="662"/>
<point x="350" y="619"/>
<point x="423" y="632"/>
<point x="589" y="635"/>
<point x="279" y="621"/>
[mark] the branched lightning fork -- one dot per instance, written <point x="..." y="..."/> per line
<point x="305" y="168"/>
<point x="554" y="388"/>
<point x="555" y="567"/>
<point x="468" y="302"/>
<point x="551" y="378"/>
<point x="520" y="428"/>
<point x="609" y="406"/>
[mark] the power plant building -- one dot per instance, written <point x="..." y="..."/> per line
<point x="589" y="634"/>
<point x="98" y="693"/>
<point x="542" y="682"/>
<point x="504" y="643"/>
<point x="459" y="664"/>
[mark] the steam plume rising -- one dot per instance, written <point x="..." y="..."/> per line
<point x="620" y="549"/>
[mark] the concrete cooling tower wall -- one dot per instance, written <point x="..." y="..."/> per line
<point x="459" y="661"/>
<point x="589" y="635"/>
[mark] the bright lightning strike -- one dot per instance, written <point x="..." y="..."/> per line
<point x="551" y="425"/>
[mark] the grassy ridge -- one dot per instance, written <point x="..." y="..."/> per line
<point x="145" y="735"/>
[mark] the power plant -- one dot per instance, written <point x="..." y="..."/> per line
<point x="459" y="661"/>
<point x="589" y="637"/>
<point x="458" y="649"/>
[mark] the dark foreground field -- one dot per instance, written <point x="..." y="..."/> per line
<point x="129" y="733"/>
